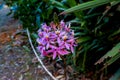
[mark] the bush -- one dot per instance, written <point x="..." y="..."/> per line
<point x="33" y="12"/>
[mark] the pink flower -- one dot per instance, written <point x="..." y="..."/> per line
<point x="58" y="51"/>
<point x="41" y="47"/>
<point x="55" y="40"/>
<point x="67" y="28"/>
<point x="62" y="24"/>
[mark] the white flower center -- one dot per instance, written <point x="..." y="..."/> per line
<point x="65" y="37"/>
<point x="57" y="32"/>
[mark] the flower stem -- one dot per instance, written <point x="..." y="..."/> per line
<point x="65" y="71"/>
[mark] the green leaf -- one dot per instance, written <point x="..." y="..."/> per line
<point x="58" y="5"/>
<point x="112" y="53"/>
<point x="115" y="2"/>
<point x="116" y="75"/>
<point x="71" y="2"/>
<point x="115" y="33"/>
<point x="112" y="60"/>
<point x="34" y="35"/>
<point x="83" y="39"/>
<point x="87" y="5"/>
<point x="38" y="20"/>
<point x="26" y="49"/>
<point x="80" y="34"/>
<point x="91" y="15"/>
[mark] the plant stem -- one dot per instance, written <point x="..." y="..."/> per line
<point x="84" y="60"/>
<point x="65" y="71"/>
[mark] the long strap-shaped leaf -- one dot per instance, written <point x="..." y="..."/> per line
<point x="112" y="53"/>
<point x="87" y="5"/>
<point x="113" y="59"/>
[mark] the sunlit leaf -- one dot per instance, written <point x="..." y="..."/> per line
<point x="87" y="5"/>
<point x="114" y="51"/>
<point x="112" y="60"/>
<point x="115" y="2"/>
<point x="58" y="4"/>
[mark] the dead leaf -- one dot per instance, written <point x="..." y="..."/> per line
<point x="58" y="65"/>
<point x="35" y="60"/>
<point x="21" y="77"/>
<point x="4" y="37"/>
<point x="69" y="69"/>
<point x="60" y="71"/>
<point x="60" y="76"/>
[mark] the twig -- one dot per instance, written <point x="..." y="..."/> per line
<point x="38" y="56"/>
<point x="65" y="71"/>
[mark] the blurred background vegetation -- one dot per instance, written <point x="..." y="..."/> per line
<point x="96" y="24"/>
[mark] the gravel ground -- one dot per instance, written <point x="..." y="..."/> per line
<point x="16" y="61"/>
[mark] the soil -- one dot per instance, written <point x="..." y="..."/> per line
<point x="17" y="61"/>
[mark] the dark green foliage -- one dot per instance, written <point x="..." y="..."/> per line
<point x="34" y="12"/>
<point x="95" y="36"/>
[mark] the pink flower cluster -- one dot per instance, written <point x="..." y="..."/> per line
<point x="55" y="40"/>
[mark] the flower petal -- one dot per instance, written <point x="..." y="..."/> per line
<point x="47" y="46"/>
<point x="65" y="52"/>
<point x="60" y="52"/>
<point x="58" y="40"/>
<point x="67" y="46"/>
<point x="72" y="49"/>
<point x="62" y="33"/>
<point x="71" y="41"/>
<point x="53" y="47"/>
<point x="50" y="51"/>
<point x="54" y="55"/>
<point x="44" y="53"/>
